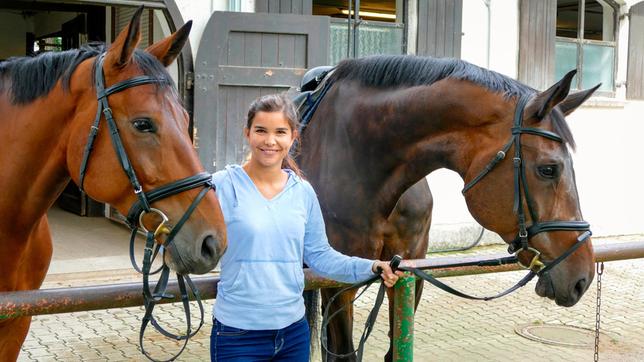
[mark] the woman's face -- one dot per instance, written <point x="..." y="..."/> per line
<point x="270" y="137"/>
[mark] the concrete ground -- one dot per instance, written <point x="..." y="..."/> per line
<point x="447" y="328"/>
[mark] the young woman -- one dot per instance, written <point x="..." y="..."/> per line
<point x="274" y="224"/>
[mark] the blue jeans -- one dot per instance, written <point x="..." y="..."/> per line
<point x="233" y="344"/>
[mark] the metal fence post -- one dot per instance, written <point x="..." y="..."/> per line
<point x="403" y="329"/>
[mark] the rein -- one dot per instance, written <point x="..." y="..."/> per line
<point x="142" y="207"/>
<point x="519" y="244"/>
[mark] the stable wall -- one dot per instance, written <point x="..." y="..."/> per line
<point x="13" y="28"/>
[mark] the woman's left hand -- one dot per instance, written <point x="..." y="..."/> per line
<point x="388" y="276"/>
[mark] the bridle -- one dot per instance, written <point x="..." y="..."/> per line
<point x="521" y="242"/>
<point x="142" y="207"/>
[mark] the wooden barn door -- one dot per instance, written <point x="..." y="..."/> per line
<point x="242" y="56"/>
<point x="440" y="27"/>
<point x="635" y="76"/>
<point x="537" y="25"/>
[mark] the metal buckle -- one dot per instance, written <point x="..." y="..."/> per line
<point x="535" y="264"/>
<point x="162" y="228"/>
<point x="516" y="161"/>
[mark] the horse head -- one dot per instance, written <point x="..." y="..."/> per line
<point x="533" y="202"/>
<point x="155" y="149"/>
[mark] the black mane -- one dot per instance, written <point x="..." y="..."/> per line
<point x="408" y="71"/>
<point x="386" y="71"/>
<point x="27" y="78"/>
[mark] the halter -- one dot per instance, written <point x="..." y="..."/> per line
<point x="520" y="243"/>
<point x="142" y="206"/>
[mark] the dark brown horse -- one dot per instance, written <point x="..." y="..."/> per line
<point x="387" y="122"/>
<point x="47" y="108"/>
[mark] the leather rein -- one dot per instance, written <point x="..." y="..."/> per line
<point x="537" y="267"/>
<point x="142" y="207"/>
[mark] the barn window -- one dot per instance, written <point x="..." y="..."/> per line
<point x="380" y="29"/>
<point x="585" y="40"/>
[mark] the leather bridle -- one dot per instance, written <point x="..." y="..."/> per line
<point x="521" y="242"/>
<point x="143" y="206"/>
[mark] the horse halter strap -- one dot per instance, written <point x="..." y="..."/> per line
<point x="520" y="243"/>
<point x="142" y="206"/>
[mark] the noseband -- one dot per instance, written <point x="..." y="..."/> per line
<point x="521" y="242"/>
<point x="142" y="207"/>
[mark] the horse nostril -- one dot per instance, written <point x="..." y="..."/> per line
<point x="209" y="248"/>
<point x="580" y="287"/>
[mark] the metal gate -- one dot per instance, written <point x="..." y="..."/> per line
<point x="242" y="56"/>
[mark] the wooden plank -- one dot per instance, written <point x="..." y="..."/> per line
<point x="261" y="6"/>
<point x="439" y="28"/>
<point x="252" y="49"/>
<point x="286" y="51"/>
<point x="635" y="68"/>
<point x="235" y="49"/>
<point x="300" y="58"/>
<point x="299" y="7"/>
<point x="537" y="31"/>
<point x="269" y="50"/>
<point x="259" y="76"/>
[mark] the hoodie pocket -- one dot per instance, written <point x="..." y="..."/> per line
<point x="267" y="283"/>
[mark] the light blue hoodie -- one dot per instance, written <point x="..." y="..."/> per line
<point x="261" y="271"/>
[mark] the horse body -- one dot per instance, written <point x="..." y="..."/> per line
<point x="372" y="139"/>
<point x="44" y="135"/>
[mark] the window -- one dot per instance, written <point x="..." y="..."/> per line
<point x="379" y="31"/>
<point x="48" y="44"/>
<point x="585" y="40"/>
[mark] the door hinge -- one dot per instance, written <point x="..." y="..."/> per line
<point x="190" y="80"/>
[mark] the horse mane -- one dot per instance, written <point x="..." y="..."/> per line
<point x="385" y="71"/>
<point x="28" y="78"/>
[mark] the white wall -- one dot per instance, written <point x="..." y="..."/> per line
<point x="609" y="167"/>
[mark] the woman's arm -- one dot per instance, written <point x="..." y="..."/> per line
<point x="329" y="263"/>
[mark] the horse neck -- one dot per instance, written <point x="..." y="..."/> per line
<point x="34" y="171"/>
<point x="372" y="147"/>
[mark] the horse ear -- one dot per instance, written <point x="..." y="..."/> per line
<point x="168" y="49"/>
<point x="576" y="99"/>
<point x="121" y="50"/>
<point x="543" y="103"/>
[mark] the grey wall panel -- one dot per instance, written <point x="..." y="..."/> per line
<point x="440" y="28"/>
<point x="301" y="7"/>
<point x="537" y="30"/>
<point x="242" y="56"/>
<point x="635" y="75"/>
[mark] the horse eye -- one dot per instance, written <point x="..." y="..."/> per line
<point x="144" y="125"/>
<point x="548" y="171"/>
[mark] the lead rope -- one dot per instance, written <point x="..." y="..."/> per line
<point x="600" y="271"/>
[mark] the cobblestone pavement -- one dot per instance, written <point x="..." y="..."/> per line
<point x="447" y="328"/>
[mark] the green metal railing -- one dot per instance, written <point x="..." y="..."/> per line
<point x="67" y="300"/>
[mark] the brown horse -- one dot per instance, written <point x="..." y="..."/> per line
<point x="386" y="122"/>
<point x="47" y="106"/>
